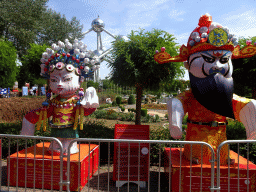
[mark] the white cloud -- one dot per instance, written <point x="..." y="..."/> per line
<point x="242" y="24"/>
<point x="182" y="38"/>
<point x="174" y="14"/>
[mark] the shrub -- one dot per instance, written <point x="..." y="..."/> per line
<point x="100" y="114"/>
<point x="156" y="118"/>
<point x="146" y="119"/>
<point x="131" y="117"/>
<point x="184" y="121"/>
<point x="123" y="117"/>
<point x="122" y="109"/>
<point x="113" y="115"/>
<point x="144" y="112"/>
<point x="166" y="116"/>
<point x="110" y="111"/>
<point x="131" y="100"/>
<point x="118" y="100"/>
<point x="124" y="101"/>
<point x="131" y="110"/>
<point x="114" y="103"/>
<point x="102" y="106"/>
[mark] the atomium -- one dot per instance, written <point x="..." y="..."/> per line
<point x="100" y="53"/>
<point x="98" y="25"/>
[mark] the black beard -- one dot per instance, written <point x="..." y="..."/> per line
<point x="215" y="93"/>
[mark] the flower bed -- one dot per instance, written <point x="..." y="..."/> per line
<point x="155" y="106"/>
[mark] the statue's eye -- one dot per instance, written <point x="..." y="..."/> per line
<point x="224" y="60"/>
<point x="68" y="79"/>
<point x="53" y="80"/>
<point x="208" y="59"/>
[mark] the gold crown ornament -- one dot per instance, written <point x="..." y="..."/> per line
<point x="208" y="35"/>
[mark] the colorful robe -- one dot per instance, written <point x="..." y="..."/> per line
<point x="206" y="133"/>
<point x="63" y="112"/>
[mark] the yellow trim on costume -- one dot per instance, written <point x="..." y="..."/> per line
<point x="45" y="119"/>
<point x="39" y="120"/>
<point x="81" y="117"/>
<point x="76" y="118"/>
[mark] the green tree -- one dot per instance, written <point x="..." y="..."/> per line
<point x="55" y="27"/>
<point x="19" y="21"/>
<point x="8" y="68"/>
<point x="29" y="21"/>
<point x="134" y="65"/>
<point x="93" y="84"/>
<point x="30" y="69"/>
<point x="244" y="74"/>
<point x="107" y="83"/>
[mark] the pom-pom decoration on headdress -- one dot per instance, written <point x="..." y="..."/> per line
<point x="71" y="56"/>
<point x="208" y="36"/>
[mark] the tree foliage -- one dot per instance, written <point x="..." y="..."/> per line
<point x="29" y="21"/>
<point x="134" y="60"/>
<point x="93" y="84"/>
<point x="30" y="69"/>
<point x="134" y="65"/>
<point x="244" y="74"/>
<point x="19" y="21"/>
<point x="8" y="68"/>
<point x="55" y="27"/>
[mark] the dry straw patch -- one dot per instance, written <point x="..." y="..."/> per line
<point x="13" y="109"/>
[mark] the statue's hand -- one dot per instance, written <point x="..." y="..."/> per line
<point x="248" y="118"/>
<point x="176" y="114"/>
<point x="90" y="99"/>
<point x="27" y="128"/>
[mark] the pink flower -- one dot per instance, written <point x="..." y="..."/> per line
<point x="248" y="42"/>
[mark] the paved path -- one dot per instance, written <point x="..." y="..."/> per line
<point x="159" y="112"/>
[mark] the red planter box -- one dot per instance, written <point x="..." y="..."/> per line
<point x="206" y="174"/>
<point x="140" y="132"/>
<point x="51" y="166"/>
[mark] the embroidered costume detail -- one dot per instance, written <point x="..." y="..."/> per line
<point x="214" y="135"/>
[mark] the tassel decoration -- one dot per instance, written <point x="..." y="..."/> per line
<point x="45" y="119"/>
<point x="39" y="120"/>
<point x="81" y="117"/>
<point x="76" y="118"/>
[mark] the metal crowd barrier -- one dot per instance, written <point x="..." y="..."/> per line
<point x="101" y="180"/>
<point x="238" y="142"/>
<point x="150" y="187"/>
<point x="18" y="137"/>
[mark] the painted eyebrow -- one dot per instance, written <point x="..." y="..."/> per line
<point x="68" y="75"/>
<point x="226" y="54"/>
<point x="55" y="77"/>
<point x="208" y="55"/>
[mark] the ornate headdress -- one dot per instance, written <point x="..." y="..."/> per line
<point x="72" y="57"/>
<point x="208" y="36"/>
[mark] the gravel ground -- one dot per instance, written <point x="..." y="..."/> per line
<point x="104" y="178"/>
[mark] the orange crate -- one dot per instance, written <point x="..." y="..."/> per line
<point x="206" y="174"/>
<point x="48" y="160"/>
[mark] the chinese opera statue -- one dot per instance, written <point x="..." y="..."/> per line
<point x="207" y="57"/>
<point x="66" y="66"/>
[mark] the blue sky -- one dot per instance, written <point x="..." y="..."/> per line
<point x="178" y="17"/>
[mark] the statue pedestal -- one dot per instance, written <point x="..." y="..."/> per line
<point x="180" y="174"/>
<point x="43" y="170"/>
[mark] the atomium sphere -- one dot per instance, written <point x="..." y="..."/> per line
<point x="97" y="53"/>
<point x="122" y="38"/>
<point x="98" y="25"/>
